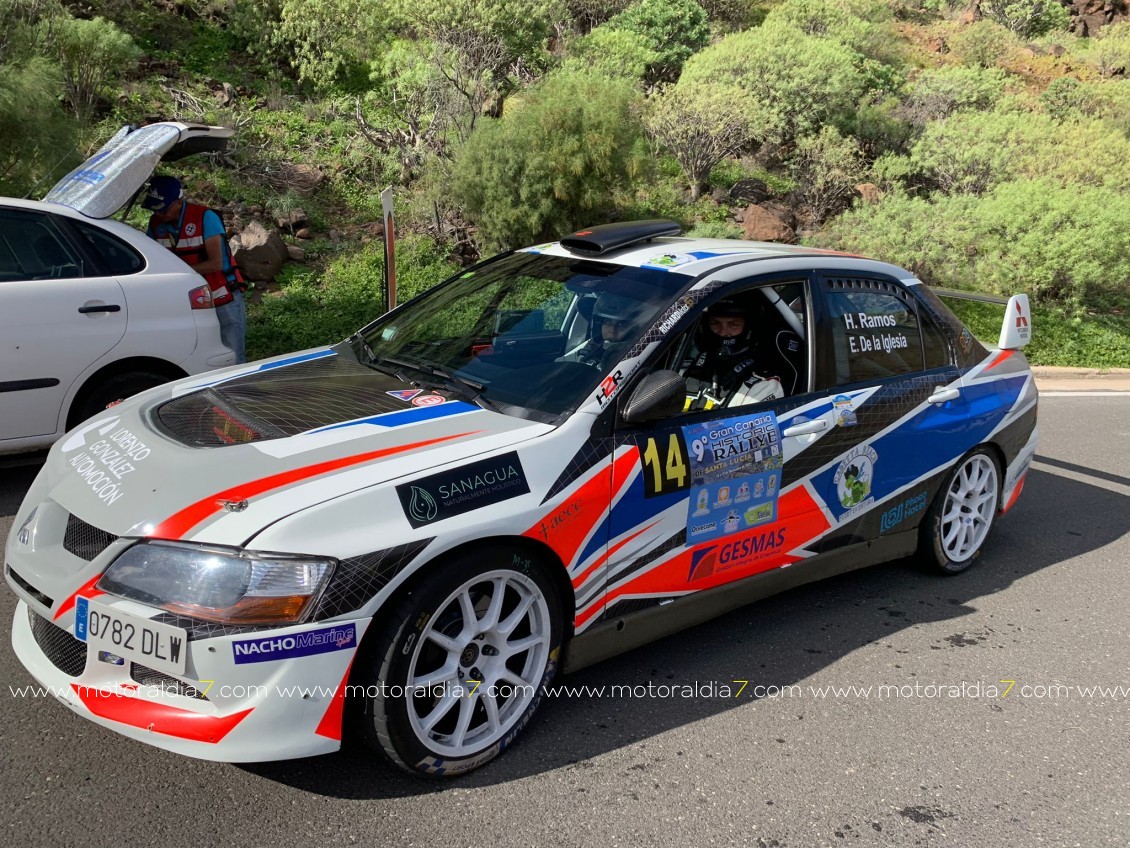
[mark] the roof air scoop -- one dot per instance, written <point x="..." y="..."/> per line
<point x="596" y="241"/>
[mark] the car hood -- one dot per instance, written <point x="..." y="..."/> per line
<point x="107" y="181"/>
<point x="260" y="443"/>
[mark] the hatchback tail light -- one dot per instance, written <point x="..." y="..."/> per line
<point x="201" y="298"/>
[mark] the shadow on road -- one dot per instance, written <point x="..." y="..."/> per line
<point x="776" y="642"/>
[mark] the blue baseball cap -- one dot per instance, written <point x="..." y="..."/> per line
<point x="163" y="193"/>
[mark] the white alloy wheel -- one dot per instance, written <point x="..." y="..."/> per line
<point x="479" y="663"/>
<point x="971" y="503"/>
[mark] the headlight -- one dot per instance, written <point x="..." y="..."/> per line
<point x="219" y="584"/>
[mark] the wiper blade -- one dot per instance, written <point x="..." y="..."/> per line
<point x="467" y="389"/>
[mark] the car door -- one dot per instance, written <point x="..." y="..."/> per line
<point x="55" y="320"/>
<point x="717" y="497"/>
<point x="898" y="412"/>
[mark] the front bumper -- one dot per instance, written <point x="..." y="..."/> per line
<point x="252" y="712"/>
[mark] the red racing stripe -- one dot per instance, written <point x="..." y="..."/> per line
<point x="1000" y="357"/>
<point x="157" y="717"/>
<point x="178" y="525"/>
<point x="86" y="589"/>
<point x="330" y="725"/>
<point x="566" y="527"/>
<point x="581" y="578"/>
<point x="1015" y="493"/>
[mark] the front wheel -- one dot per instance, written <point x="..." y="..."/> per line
<point x="463" y="662"/>
<point x="959" y="520"/>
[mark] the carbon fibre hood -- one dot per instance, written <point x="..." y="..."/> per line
<point x="257" y="446"/>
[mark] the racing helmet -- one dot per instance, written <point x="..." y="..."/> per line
<point x="617" y="308"/>
<point x="710" y="342"/>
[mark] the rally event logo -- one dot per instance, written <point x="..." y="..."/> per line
<point x="463" y="489"/>
<point x="855" y="475"/>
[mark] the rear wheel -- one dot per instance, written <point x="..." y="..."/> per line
<point x="111" y="390"/>
<point x="958" y="523"/>
<point x="461" y="667"/>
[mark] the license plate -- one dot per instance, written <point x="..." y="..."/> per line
<point x="159" y="646"/>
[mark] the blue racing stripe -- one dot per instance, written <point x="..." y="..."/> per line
<point x="406" y="416"/>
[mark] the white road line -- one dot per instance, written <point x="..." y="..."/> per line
<point x="1085" y="394"/>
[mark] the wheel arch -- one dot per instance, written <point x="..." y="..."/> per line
<point x="117" y="368"/>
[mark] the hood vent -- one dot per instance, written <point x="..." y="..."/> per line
<point x="280" y="402"/>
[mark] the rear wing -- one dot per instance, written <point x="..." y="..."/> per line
<point x="1016" y="329"/>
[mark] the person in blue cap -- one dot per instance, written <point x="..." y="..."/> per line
<point x="196" y="234"/>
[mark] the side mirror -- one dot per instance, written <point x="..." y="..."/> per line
<point x="658" y="395"/>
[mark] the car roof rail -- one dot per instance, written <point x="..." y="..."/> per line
<point x="598" y="240"/>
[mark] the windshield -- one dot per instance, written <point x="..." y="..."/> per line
<point x="528" y="330"/>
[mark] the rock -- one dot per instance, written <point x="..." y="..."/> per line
<point x="785" y="213"/>
<point x="259" y="252"/>
<point x="1057" y="50"/>
<point x="375" y="229"/>
<point x="304" y="233"/>
<point x="235" y="225"/>
<point x="750" y="191"/>
<point x="224" y="94"/>
<point x="870" y="193"/>
<point x="335" y="237"/>
<point x="303" y="179"/>
<point x="296" y="254"/>
<point x="293" y="220"/>
<point x="720" y="196"/>
<point x="937" y="45"/>
<point x="762" y="224"/>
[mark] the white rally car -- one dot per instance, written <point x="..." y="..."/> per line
<point x="518" y="472"/>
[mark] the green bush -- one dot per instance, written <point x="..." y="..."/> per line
<point x="311" y="311"/>
<point x="612" y="52"/>
<point x="37" y="139"/>
<point x="826" y="168"/>
<point x="862" y="25"/>
<point x="939" y="92"/>
<point x="1111" y="53"/>
<point x="673" y="29"/>
<point x="1062" y="245"/>
<point x="974" y="151"/>
<point x="982" y="44"/>
<point x="795" y="82"/>
<point x="552" y="162"/>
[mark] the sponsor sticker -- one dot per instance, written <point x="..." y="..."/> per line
<point x="896" y="515"/>
<point x="735" y="475"/>
<point x="404" y="394"/>
<point x="843" y="414"/>
<point x="670" y="260"/>
<point x="853" y="480"/>
<point x="473" y="486"/>
<point x="428" y="400"/>
<point x="338" y="638"/>
<point x="738" y="552"/>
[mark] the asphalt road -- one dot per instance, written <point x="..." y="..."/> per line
<point x="914" y="765"/>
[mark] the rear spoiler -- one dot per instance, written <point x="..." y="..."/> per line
<point x="1016" y="330"/>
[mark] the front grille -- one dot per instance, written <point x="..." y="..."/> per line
<point x="66" y="652"/>
<point x="150" y="677"/>
<point x="84" y="540"/>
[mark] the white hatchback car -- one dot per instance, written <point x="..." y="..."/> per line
<point x="91" y="310"/>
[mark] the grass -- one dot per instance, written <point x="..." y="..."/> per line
<point x="1089" y="341"/>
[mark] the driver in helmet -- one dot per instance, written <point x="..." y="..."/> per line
<point x="615" y="319"/>
<point x="725" y="371"/>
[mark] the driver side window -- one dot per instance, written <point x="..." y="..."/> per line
<point x="748" y="346"/>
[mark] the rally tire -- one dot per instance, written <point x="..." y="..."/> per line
<point x="96" y="398"/>
<point x="459" y="669"/>
<point x="959" y="521"/>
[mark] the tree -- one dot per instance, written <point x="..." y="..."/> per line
<point x="91" y="54"/>
<point x="326" y="39"/>
<point x="674" y="29"/>
<point x="1027" y="18"/>
<point x="862" y="25"/>
<point x="794" y="83"/>
<point x="937" y="93"/>
<point x="700" y="125"/>
<point x="552" y="162"/>
<point x="483" y="47"/>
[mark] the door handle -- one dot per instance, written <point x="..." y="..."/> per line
<point x="105" y="307"/>
<point x="805" y="429"/>
<point x="941" y="395"/>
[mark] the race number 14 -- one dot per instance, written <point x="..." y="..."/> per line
<point x="666" y="465"/>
